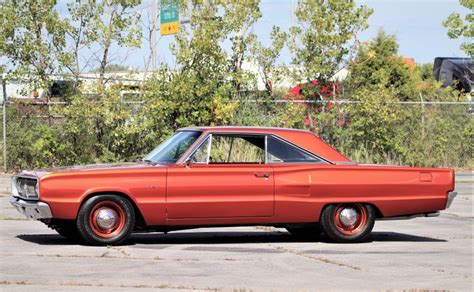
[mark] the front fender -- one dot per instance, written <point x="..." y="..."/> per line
<point x="146" y="189"/>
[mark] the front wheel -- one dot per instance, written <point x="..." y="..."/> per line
<point x="66" y="228"/>
<point x="348" y="222"/>
<point x="106" y="220"/>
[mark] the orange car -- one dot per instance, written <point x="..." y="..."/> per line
<point x="216" y="176"/>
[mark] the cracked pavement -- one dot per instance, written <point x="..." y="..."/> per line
<point x="416" y="254"/>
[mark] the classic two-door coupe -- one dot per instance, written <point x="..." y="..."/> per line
<point x="227" y="176"/>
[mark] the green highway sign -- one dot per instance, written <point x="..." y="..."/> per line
<point x="169" y="17"/>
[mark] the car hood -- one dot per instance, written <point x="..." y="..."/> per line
<point x="90" y="167"/>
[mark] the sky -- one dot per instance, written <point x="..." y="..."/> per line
<point x="416" y="24"/>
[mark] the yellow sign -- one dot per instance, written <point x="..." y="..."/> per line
<point x="169" y="17"/>
<point x="169" y="28"/>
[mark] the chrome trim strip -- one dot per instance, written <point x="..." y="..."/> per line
<point x="266" y="149"/>
<point x="208" y="149"/>
<point x="433" y="214"/>
<point x="451" y="196"/>
<point x="32" y="210"/>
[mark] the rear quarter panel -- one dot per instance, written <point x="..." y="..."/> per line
<point x="301" y="192"/>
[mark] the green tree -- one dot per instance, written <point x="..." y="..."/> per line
<point x="239" y="19"/>
<point x="381" y="129"/>
<point x="115" y="21"/>
<point x="265" y="57"/>
<point x="377" y="63"/>
<point x="325" y="35"/>
<point x="457" y="27"/>
<point x="105" y="128"/>
<point x="32" y="38"/>
<point x="207" y="78"/>
<point x="376" y="123"/>
<point x="322" y="43"/>
<point x="82" y="15"/>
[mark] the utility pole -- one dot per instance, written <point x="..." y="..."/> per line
<point x="4" y="86"/>
<point x="292" y="14"/>
<point x="422" y="116"/>
<point x="153" y="22"/>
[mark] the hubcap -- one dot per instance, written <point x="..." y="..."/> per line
<point x="106" y="218"/>
<point x="348" y="216"/>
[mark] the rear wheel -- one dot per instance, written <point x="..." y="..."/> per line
<point x="106" y="220"/>
<point x="348" y="222"/>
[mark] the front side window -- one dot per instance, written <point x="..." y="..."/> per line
<point x="172" y="149"/>
<point x="201" y="156"/>
<point x="237" y="149"/>
<point x="280" y="151"/>
<point x="231" y="149"/>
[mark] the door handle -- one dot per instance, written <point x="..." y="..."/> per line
<point x="262" y="174"/>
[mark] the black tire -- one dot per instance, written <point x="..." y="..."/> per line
<point x="333" y="229"/>
<point x="91" y="231"/>
<point x="66" y="228"/>
<point x="304" y="231"/>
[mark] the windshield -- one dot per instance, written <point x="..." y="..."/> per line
<point x="172" y="149"/>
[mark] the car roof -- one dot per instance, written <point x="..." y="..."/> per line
<point x="241" y="129"/>
<point x="304" y="139"/>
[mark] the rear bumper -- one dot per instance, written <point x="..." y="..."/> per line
<point x="32" y="210"/>
<point x="451" y="196"/>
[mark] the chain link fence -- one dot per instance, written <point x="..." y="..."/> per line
<point x="43" y="132"/>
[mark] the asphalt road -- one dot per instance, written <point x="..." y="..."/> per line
<point x="417" y="254"/>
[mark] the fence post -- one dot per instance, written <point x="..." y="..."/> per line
<point x="422" y="116"/>
<point x="4" y="86"/>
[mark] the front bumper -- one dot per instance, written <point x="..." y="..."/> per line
<point x="451" y="196"/>
<point x="32" y="210"/>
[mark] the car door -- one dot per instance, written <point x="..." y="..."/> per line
<point x="227" y="177"/>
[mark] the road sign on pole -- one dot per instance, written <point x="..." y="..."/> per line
<point x="169" y="17"/>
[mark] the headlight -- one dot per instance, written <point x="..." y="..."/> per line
<point x="25" y="188"/>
